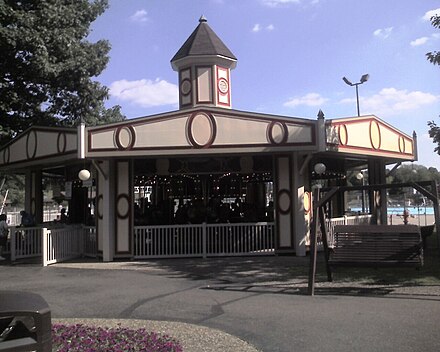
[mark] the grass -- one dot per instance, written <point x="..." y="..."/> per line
<point x="82" y="338"/>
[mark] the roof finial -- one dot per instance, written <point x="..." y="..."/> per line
<point x="202" y="19"/>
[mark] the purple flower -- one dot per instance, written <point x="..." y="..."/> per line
<point x="76" y="338"/>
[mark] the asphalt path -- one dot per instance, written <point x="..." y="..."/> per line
<point x="259" y="300"/>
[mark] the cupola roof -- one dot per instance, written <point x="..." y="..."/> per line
<point x="203" y="42"/>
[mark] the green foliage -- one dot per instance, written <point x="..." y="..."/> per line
<point x="15" y="186"/>
<point x="46" y="65"/>
<point x="434" y="133"/>
<point x="415" y="173"/>
<point x="434" y="58"/>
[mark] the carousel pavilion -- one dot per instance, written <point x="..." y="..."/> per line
<point x="160" y="183"/>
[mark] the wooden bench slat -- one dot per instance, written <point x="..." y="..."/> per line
<point x="376" y="245"/>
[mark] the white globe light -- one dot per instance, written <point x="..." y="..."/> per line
<point x="360" y="176"/>
<point x="319" y="168"/>
<point x="84" y="175"/>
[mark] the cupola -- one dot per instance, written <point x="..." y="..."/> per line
<point x="204" y="63"/>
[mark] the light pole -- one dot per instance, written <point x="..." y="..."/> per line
<point x="363" y="79"/>
<point x="360" y="176"/>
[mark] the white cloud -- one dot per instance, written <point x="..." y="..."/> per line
<point x="277" y="3"/>
<point x="391" y="101"/>
<point x="310" y="99"/>
<point x="383" y="32"/>
<point x="145" y="92"/>
<point x="429" y="14"/>
<point x="139" y="16"/>
<point x="419" y="41"/>
<point x="424" y="40"/>
<point x="256" y="28"/>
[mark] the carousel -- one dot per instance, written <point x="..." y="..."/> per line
<point x="205" y="180"/>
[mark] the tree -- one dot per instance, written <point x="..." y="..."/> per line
<point x="47" y="65"/>
<point x="434" y="58"/>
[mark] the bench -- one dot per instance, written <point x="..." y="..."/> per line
<point x="376" y="246"/>
<point x="426" y="231"/>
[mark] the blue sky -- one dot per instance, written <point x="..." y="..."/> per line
<point x="292" y="55"/>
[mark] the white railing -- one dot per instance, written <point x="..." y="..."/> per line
<point x="202" y="240"/>
<point x="60" y="244"/>
<point x="13" y="218"/>
<point x="89" y="244"/>
<point x="25" y="242"/>
<point x="344" y="220"/>
<point x="168" y="241"/>
<point x="240" y="239"/>
<point x="53" y="245"/>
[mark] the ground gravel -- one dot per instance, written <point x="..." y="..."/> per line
<point x="193" y="338"/>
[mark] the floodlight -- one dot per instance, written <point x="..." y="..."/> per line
<point x="347" y="81"/>
<point x="365" y="77"/>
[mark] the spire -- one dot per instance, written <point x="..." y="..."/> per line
<point x="203" y="42"/>
<point x="204" y="64"/>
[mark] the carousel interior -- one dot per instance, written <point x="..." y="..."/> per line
<point x="204" y="189"/>
<point x="180" y="190"/>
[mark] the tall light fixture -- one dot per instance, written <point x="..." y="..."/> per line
<point x="361" y="177"/>
<point x="84" y="174"/>
<point x="363" y="79"/>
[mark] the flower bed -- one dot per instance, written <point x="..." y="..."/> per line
<point x="84" y="338"/>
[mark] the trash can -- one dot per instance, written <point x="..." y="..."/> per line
<point x="25" y="322"/>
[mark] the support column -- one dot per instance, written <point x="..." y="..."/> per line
<point x="289" y="205"/>
<point x="105" y="209"/>
<point x="283" y="196"/>
<point x="123" y="209"/>
<point x="300" y="231"/>
<point x="378" y="198"/>
<point x="34" y="195"/>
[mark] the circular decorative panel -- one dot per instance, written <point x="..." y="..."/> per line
<point x="284" y="201"/>
<point x="277" y="132"/>
<point x="343" y="135"/>
<point x="125" y="137"/>
<point x="375" y="137"/>
<point x="99" y="209"/>
<point x="201" y="129"/>
<point x="123" y="206"/>
<point x="61" y="142"/>
<point x="6" y="155"/>
<point x="31" y="145"/>
<point x="223" y="86"/>
<point x="401" y="142"/>
<point x="185" y="87"/>
<point x="307" y="202"/>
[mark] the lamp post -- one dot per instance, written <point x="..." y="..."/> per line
<point x="363" y="79"/>
<point x="360" y="176"/>
<point x="319" y="169"/>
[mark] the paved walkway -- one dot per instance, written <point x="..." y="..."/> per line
<point x="238" y="304"/>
